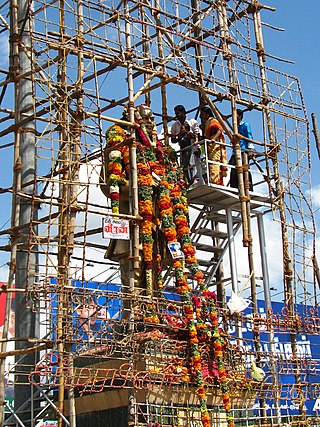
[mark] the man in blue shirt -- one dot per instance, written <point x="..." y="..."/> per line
<point x="244" y="129"/>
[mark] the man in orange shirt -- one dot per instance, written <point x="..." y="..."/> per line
<point x="216" y="149"/>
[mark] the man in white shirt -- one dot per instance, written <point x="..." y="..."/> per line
<point x="185" y="132"/>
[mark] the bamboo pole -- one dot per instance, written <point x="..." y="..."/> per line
<point x="62" y="109"/>
<point x="74" y="138"/>
<point x="146" y="51"/>
<point x="134" y="266"/>
<point x="133" y="191"/>
<point x="163" y="86"/>
<point x="288" y="269"/>
<point x="197" y="47"/>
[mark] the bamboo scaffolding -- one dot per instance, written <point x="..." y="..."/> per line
<point x="92" y="60"/>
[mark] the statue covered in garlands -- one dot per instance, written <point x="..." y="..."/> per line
<point x="162" y="203"/>
<point x="163" y="209"/>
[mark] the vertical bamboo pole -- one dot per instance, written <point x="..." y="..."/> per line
<point x="197" y="47"/>
<point x="243" y="177"/>
<point x="163" y="86"/>
<point x="74" y="142"/>
<point x="287" y="262"/>
<point x="133" y="194"/>
<point x="135" y="268"/>
<point x="225" y="43"/>
<point x="146" y="51"/>
<point x="62" y="114"/>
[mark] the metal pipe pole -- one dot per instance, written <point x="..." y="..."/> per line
<point x="26" y="321"/>
<point x="268" y="310"/>
<point x="232" y="252"/>
<point x="233" y="267"/>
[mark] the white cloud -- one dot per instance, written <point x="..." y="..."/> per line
<point x="315" y="195"/>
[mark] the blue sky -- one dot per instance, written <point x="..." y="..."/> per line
<point x="300" y="43"/>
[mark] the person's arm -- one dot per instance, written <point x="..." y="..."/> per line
<point x="215" y="134"/>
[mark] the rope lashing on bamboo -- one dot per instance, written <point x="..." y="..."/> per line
<point x="247" y="240"/>
<point x="244" y="199"/>
<point x="242" y="168"/>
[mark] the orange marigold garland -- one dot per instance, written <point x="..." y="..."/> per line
<point x="181" y="220"/>
<point x="145" y="193"/>
<point x="149" y="156"/>
<point x="171" y="229"/>
<point x="116" y="173"/>
<point x="218" y="343"/>
<point x="173" y="207"/>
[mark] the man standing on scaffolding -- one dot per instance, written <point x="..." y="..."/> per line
<point x="246" y="146"/>
<point x="185" y="132"/>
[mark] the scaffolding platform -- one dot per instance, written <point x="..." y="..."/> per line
<point x="219" y="197"/>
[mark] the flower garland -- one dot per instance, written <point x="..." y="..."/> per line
<point x="117" y="158"/>
<point x="181" y="220"/>
<point x="168" y="190"/>
<point x="151" y="315"/>
<point x="145" y="195"/>
<point x="218" y="342"/>
<point x="173" y="208"/>
<point x="148" y="155"/>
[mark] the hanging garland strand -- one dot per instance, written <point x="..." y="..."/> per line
<point x="145" y="193"/>
<point x="218" y="341"/>
<point x="167" y="191"/>
<point x="173" y="208"/>
<point x="118" y="160"/>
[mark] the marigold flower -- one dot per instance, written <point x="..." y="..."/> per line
<point x="181" y="230"/>
<point x="227" y="407"/>
<point x="145" y="206"/>
<point x="147" y="252"/>
<point x="115" y="168"/>
<point x="145" y="180"/>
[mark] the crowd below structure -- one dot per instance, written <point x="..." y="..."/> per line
<point x="161" y="247"/>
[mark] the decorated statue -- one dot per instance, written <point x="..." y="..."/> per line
<point x="163" y="209"/>
<point x="114" y="181"/>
